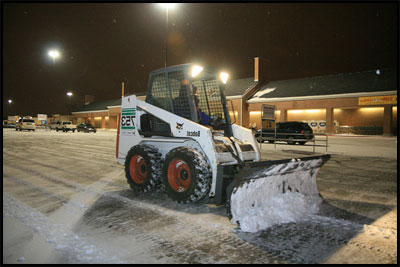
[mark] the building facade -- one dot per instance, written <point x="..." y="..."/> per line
<point x="351" y="103"/>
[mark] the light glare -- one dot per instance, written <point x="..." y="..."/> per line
<point x="54" y="53"/>
<point x="196" y="70"/>
<point x="69" y="94"/>
<point x="224" y="77"/>
<point x="168" y="5"/>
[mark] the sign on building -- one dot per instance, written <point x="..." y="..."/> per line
<point x="377" y="100"/>
<point x="42" y="118"/>
<point x="268" y="112"/>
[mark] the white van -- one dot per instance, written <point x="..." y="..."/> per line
<point x="25" y="124"/>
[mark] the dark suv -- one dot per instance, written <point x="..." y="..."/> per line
<point x="290" y="131"/>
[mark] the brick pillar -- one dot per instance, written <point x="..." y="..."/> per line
<point x="387" y="120"/>
<point x="103" y="122"/>
<point x="329" y="121"/>
<point x="283" y="116"/>
<point x="244" y="113"/>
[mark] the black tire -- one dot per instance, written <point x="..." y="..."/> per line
<point x="57" y="130"/>
<point x="73" y="131"/>
<point x="271" y="141"/>
<point x="143" y="168"/>
<point x="259" y="140"/>
<point x="302" y="143"/>
<point x="290" y="142"/>
<point x="186" y="175"/>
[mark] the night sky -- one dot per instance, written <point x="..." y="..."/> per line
<point x="105" y="44"/>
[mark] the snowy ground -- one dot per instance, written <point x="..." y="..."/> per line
<point x="66" y="200"/>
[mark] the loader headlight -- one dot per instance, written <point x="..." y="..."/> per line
<point x="224" y="77"/>
<point x="196" y="70"/>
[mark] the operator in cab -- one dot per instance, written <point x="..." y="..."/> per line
<point x="204" y="119"/>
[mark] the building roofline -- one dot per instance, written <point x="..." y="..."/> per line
<point x="89" y="111"/>
<point x="316" y="97"/>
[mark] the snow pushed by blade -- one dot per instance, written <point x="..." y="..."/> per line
<point x="285" y="193"/>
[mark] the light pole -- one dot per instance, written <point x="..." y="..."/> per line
<point x="167" y="7"/>
<point x="69" y="104"/>
<point x="54" y="54"/>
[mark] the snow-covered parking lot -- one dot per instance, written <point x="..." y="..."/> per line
<point x="66" y="200"/>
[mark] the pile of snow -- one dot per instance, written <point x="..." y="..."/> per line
<point x="287" y="192"/>
<point x="283" y="208"/>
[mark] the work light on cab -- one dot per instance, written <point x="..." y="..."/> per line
<point x="224" y="77"/>
<point x="196" y="70"/>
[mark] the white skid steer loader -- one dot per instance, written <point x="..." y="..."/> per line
<point x="181" y="136"/>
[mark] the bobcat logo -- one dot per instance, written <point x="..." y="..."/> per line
<point x="179" y="126"/>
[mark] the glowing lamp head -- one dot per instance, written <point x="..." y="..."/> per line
<point x="54" y="53"/>
<point x="168" y="5"/>
<point x="9" y="101"/>
<point x="224" y="77"/>
<point x="196" y="70"/>
<point x="69" y="94"/>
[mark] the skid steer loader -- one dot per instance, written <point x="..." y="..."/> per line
<point x="182" y="137"/>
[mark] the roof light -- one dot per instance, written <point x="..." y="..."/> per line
<point x="196" y="70"/>
<point x="224" y="77"/>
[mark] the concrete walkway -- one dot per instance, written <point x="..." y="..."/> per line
<point x="350" y="145"/>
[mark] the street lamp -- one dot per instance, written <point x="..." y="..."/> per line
<point x="10" y="101"/>
<point x="54" y="54"/>
<point x="69" y="94"/>
<point x="167" y="6"/>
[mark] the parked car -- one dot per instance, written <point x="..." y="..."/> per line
<point x="8" y="124"/>
<point x="66" y="126"/>
<point x="25" y="124"/>
<point x="286" y="131"/>
<point x="54" y="124"/>
<point x="86" y="127"/>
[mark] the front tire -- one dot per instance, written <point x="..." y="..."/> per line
<point x="186" y="175"/>
<point x="143" y="168"/>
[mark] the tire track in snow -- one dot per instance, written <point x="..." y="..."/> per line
<point x="70" y="172"/>
<point x="76" y="187"/>
<point x="75" y="153"/>
<point x="168" y="230"/>
<point x="70" y="247"/>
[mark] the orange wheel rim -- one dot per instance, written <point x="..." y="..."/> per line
<point x="138" y="169"/>
<point x="179" y="175"/>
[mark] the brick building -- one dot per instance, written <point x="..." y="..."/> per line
<point x="355" y="103"/>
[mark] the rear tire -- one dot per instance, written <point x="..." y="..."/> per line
<point x="186" y="175"/>
<point x="302" y="143"/>
<point x="259" y="140"/>
<point x="271" y="141"/>
<point x="143" y="168"/>
<point x="290" y="142"/>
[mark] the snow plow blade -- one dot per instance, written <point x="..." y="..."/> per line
<point x="258" y="182"/>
